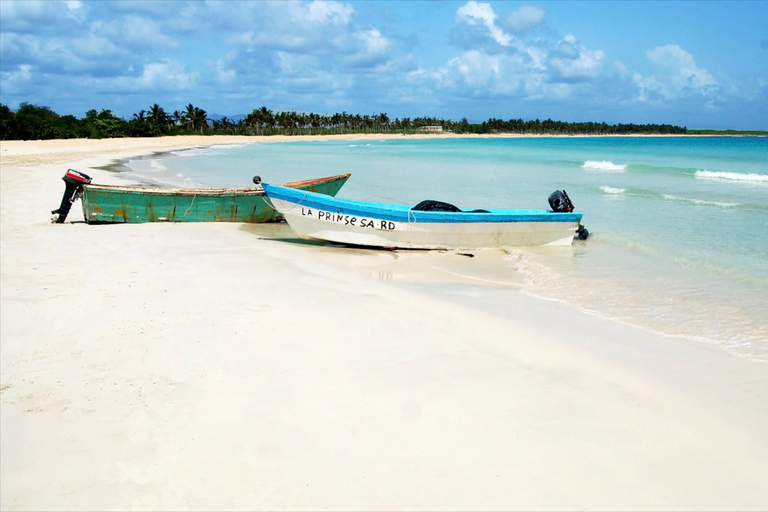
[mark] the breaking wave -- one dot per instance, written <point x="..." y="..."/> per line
<point x="611" y="190"/>
<point x="732" y="176"/>
<point x="604" y="165"/>
<point x="652" y="194"/>
<point x="700" y="202"/>
<point x="215" y="149"/>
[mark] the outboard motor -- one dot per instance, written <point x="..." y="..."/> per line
<point x="560" y="202"/>
<point x="74" y="182"/>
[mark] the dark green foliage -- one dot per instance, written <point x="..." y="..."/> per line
<point x="70" y="127"/>
<point x="727" y="132"/>
<point x="104" y="124"/>
<point x="34" y="122"/>
<point x="7" y="122"/>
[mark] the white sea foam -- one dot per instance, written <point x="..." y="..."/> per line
<point x="156" y="173"/>
<point x="215" y="149"/>
<point x="191" y="152"/>
<point x="699" y="202"/>
<point x="603" y="165"/>
<point x="154" y="165"/>
<point x="155" y="180"/>
<point x="733" y="176"/>
<point x="611" y="190"/>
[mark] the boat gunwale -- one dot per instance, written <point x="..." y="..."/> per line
<point x="174" y="191"/>
<point x="212" y="191"/>
<point x="405" y="213"/>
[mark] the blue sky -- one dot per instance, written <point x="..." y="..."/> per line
<point x="697" y="64"/>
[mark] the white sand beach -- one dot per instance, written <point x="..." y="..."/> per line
<point x="225" y="366"/>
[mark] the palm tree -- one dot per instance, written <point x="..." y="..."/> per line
<point x="383" y="120"/>
<point x="188" y="116"/>
<point x="224" y="125"/>
<point x="158" y="120"/>
<point x="199" y="119"/>
<point x="137" y="127"/>
<point x="406" y="122"/>
<point x="288" y="120"/>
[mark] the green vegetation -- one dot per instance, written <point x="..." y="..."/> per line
<point x="31" y="122"/>
<point x="727" y="132"/>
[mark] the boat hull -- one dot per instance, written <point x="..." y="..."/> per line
<point x="396" y="226"/>
<point x="121" y="204"/>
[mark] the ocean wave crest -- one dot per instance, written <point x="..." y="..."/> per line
<point x="699" y="202"/>
<point x="732" y="176"/>
<point x="603" y="165"/>
<point x="215" y="149"/>
<point x="611" y="190"/>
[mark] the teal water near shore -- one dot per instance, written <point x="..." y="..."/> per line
<point x="679" y="225"/>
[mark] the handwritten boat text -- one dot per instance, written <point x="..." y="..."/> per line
<point x="349" y="220"/>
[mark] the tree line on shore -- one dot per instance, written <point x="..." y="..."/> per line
<point x="33" y="122"/>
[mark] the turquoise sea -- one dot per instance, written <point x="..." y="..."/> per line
<point x="679" y="225"/>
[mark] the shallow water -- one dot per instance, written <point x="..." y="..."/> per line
<point x="678" y="239"/>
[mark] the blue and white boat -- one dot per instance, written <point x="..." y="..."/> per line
<point x="428" y="225"/>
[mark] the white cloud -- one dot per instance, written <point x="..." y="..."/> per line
<point x="223" y="74"/>
<point x="30" y="16"/>
<point x="25" y="72"/>
<point x="373" y="41"/>
<point x="538" y="57"/>
<point x="142" y="31"/>
<point x="168" y="74"/>
<point x="334" y="13"/>
<point x="473" y="12"/>
<point x="16" y="81"/>
<point x="485" y="74"/>
<point x="294" y="51"/>
<point x="76" y="10"/>
<point x="572" y="61"/>
<point x="526" y="17"/>
<point x="370" y="49"/>
<point x="676" y="74"/>
<point x="92" y="46"/>
<point x="85" y="54"/>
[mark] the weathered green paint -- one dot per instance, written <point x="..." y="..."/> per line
<point x="106" y="203"/>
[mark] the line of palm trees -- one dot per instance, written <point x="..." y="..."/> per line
<point x="159" y="122"/>
<point x="263" y="121"/>
<point x="36" y="122"/>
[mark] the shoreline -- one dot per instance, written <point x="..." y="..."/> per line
<point x="138" y="146"/>
<point x="226" y="366"/>
<point x="113" y="152"/>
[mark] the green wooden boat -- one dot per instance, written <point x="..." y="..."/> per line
<point x="119" y="204"/>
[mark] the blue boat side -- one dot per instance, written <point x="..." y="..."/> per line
<point x="404" y="213"/>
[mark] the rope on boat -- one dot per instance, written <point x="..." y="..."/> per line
<point x="189" y="209"/>
<point x="269" y="203"/>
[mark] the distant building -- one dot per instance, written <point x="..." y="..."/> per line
<point x="431" y="129"/>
